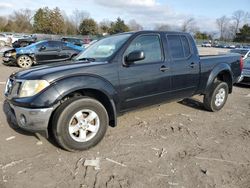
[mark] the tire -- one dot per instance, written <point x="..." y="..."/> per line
<point x="24" y="61"/>
<point x="67" y="119"/>
<point x="217" y="97"/>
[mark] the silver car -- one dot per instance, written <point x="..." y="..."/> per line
<point x="245" y="75"/>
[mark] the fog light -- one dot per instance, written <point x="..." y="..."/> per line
<point x="23" y="120"/>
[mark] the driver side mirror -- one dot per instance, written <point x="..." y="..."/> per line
<point x="137" y="55"/>
<point x="42" y="48"/>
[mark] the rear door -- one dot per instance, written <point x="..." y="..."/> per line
<point x="66" y="52"/>
<point x="184" y="66"/>
<point x="146" y="81"/>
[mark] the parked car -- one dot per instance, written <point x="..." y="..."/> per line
<point x="23" y="42"/>
<point x="206" y="44"/>
<point x="245" y="75"/>
<point x="79" y="99"/>
<point x="41" y="52"/>
<point x="73" y="40"/>
<point x="4" y="40"/>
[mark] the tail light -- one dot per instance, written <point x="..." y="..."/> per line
<point x="241" y="63"/>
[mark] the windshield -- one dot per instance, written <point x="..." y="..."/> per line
<point x="104" y="48"/>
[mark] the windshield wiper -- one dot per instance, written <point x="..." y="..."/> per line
<point x="86" y="59"/>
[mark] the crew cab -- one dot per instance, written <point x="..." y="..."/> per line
<point x="77" y="100"/>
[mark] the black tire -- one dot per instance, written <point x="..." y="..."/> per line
<point x="210" y="102"/>
<point x="24" y="61"/>
<point x="63" y="116"/>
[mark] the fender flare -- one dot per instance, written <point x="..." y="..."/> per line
<point x="223" y="67"/>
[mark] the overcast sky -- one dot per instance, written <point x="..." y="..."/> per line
<point x="147" y="12"/>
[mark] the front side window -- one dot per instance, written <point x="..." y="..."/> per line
<point x="150" y="45"/>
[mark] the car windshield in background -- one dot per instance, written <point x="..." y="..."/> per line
<point x="104" y="48"/>
<point x="242" y="52"/>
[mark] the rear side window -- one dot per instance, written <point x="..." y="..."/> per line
<point x="186" y="46"/>
<point x="179" y="46"/>
<point x="54" y="45"/>
<point x="175" y="46"/>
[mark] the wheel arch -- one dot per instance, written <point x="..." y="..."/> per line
<point x="77" y="86"/>
<point x="222" y="72"/>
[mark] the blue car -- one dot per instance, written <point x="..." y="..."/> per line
<point x="40" y="53"/>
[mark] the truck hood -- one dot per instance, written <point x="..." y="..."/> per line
<point x="54" y="71"/>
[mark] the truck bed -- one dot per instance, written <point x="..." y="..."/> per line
<point x="209" y="63"/>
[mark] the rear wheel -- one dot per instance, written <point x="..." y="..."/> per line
<point x="24" y="61"/>
<point x="217" y="97"/>
<point x="79" y="123"/>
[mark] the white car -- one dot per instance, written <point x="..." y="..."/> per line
<point x="4" y="40"/>
<point x="206" y="44"/>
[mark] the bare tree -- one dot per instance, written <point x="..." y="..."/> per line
<point x="163" y="27"/>
<point x="3" y="23"/>
<point x="134" y="26"/>
<point x="20" y="21"/>
<point x="189" y="25"/>
<point x="222" y="24"/>
<point x="238" y="17"/>
<point x="247" y="18"/>
<point x="77" y="17"/>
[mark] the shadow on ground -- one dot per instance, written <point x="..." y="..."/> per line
<point x="193" y="103"/>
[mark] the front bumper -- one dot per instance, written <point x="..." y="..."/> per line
<point x="9" y="60"/>
<point x="32" y="120"/>
<point x="245" y="76"/>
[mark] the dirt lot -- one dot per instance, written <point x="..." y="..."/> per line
<point x="171" y="145"/>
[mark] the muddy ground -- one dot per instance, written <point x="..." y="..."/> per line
<point x="176" y="144"/>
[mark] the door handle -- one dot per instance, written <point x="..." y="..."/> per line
<point x="164" y="68"/>
<point x="192" y="65"/>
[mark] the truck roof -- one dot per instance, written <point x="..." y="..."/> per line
<point x="155" y="31"/>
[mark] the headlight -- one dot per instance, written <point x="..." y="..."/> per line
<point x="32" y="87"/>
<point x="9" y="54"/>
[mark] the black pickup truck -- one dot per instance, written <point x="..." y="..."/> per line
<point x="77" y="100"/>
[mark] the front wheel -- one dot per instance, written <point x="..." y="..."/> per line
<point x="217" y="97"/>
<point x="79" y="123"/>
<point x="24" y="61"/>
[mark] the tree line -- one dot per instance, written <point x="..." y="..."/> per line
<point x="55" y="21"/>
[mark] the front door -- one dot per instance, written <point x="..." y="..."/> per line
<point x="147" y="81"/>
